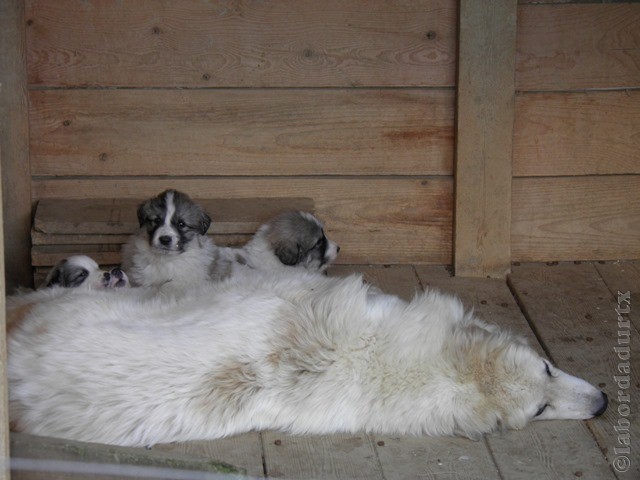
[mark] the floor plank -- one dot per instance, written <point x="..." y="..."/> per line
<point x="574" y="315"/>
<point x="243" y="451"/>
<point x="322" y="457"/>
<point x="540" y="451"/>
<point x="623" y="277"/>
<point x="434" y="458"/>
<point x="46" y="458"/>
<point x="398" y="280"/>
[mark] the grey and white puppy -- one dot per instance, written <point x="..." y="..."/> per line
<point x="171" y="244"/>
<point x="293" y="239"/>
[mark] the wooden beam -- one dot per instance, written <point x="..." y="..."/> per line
<point x="485" y="113"/>
<point x="4" y="404"/>
<point x="14" y="140"/>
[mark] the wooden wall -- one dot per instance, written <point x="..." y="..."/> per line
<point x="576" y="142"/>
<point x="351" y="103"/>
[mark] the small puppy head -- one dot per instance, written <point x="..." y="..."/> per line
<point x="82" y="271"/>
<point x="298" y="239"/>
<point x="171" y="220"/>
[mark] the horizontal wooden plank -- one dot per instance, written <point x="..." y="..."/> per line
<point x="49" y="255"/>
<point x="242" y="132"/>
<point x="576" y="218"/>
<point x="587" y="133"/>
<point x="578" y="46"/>
<point x="241" y="43"/>
<point x="38" y="238"/>
<point x="374" y="220"/>
<point x="99" y="216"/>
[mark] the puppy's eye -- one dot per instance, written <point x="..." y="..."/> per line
<point x="547" y="369"/>
<point x="156" y="221"/>
<point x="541" y="409"/>
<point x="181" y="224"/>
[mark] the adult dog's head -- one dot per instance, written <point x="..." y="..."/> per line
<point x="296" y="239"/>
<point x="511" y="385"/>
<point x="172" y="220"/>
<point x="82" y="271"/>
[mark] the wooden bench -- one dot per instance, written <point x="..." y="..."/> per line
<point x="99" y="227"/>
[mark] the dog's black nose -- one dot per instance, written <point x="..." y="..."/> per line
<point x="107" y="276"/>
<point x="603" y="407"/>
<point x="338" y="249"/>
<point x="165" y="240"/>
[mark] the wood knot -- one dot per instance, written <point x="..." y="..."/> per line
<point x="431" y="35"/>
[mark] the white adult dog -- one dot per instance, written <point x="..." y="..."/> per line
<point x="311" y="355"/>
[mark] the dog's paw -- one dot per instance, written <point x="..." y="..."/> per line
<point x="115" y="278"/>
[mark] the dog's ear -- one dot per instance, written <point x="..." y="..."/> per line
<point x="143" y="216"/>
<point x="205" y="222"/>
<point x="55" y="276"/>
<point x="287" y="252"/>
<point x="66" y="275"/>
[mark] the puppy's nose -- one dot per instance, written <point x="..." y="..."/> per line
<point x="107" y="276"/>
<point x="165" y="240"/>
<point x="338" y="249"/>
<point x="603" y="407"/>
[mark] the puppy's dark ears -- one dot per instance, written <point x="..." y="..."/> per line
<point x="55" y="276"/>
<point x="288" y="253"/>
<point x="143" y="216"/>
<point x="205" y="222"/>
<point x="63" y="276"/>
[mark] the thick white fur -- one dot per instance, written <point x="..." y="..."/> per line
<point x="149" y="267"/>
<point x="300" y="354"/>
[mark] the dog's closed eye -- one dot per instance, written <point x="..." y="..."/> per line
<point x="541" y="410"/>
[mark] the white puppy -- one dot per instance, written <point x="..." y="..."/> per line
<point x="311" y="355"/>
<point x="74" y="274"/>
<point x="82" y="271"/>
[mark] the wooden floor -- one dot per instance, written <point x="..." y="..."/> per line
<point x="566" y="310"/>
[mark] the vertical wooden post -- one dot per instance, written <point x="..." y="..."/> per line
<point x="4" y="408"/>
<point x="14" y="140"/>
<point x="485" y="112"/>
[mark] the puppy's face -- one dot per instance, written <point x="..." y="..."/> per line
<point x="298" y="239"/>
<point x="172" y="220"/>
<point x="82" y="271"/>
